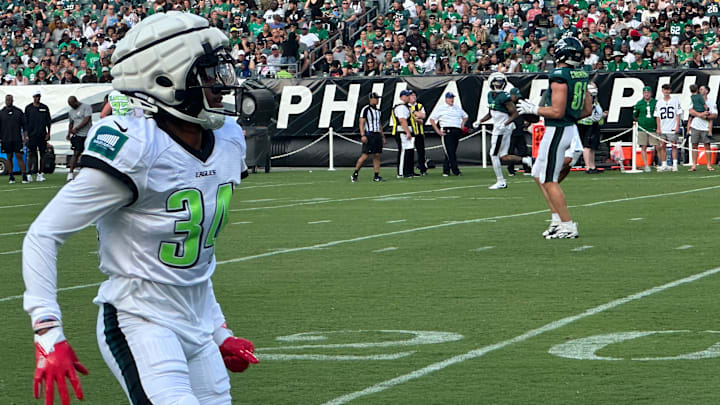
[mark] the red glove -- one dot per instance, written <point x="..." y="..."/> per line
<point x="237" y="354"/>
<point x="55" y="361"/>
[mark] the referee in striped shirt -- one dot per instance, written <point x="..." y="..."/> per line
<point x="372" y="137"/>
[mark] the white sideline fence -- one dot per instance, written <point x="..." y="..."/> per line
<point x="483" y="130"/>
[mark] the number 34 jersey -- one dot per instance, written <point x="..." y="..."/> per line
<point x="181" y="196"/>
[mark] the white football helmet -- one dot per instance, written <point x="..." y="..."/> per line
<point x="498" y="81"/>
<point x="592" y="89"/>
<point x="165" y="62"/>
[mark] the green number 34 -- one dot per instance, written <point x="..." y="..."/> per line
<point x="578" y="95"/>
<point x="185" y="254"/>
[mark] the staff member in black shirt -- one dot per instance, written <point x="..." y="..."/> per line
<point x="37" y="131"/>
<point x="11" y="126"/>
<point x="372" y="136"/>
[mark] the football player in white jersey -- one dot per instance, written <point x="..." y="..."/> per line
<point x="667" y="114"/>
<point x="158" y="189"/>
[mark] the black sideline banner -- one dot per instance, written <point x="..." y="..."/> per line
<point x="309" y="107"/>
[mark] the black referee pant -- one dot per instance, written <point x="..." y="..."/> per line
<point x="420" y="150"/>
<point x="450" y="141"/>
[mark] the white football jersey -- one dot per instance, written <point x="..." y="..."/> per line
<point x="668" y="112"/>
<point x="181" y="198"/>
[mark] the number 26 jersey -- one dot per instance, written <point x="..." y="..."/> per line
<point x="167" y="232"/>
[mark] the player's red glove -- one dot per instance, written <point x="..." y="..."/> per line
<point x="56" y="360"/>
<point x="237" y="354"/>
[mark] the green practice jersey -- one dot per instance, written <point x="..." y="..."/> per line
<point x="577" y="81"/>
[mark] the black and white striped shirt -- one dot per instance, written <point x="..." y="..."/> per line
<point x="372" y="118"/>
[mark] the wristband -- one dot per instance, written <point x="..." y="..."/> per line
<point x="46" y="323"/>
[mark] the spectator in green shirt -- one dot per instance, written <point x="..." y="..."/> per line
<point x="617" y="64"/>
<point x="320" y="31"/>
<point x="644" y="114"/>
<point x="528" y="66"/>
<point x="640" y="62"/>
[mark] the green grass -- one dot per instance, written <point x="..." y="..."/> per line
<point x="439" y="278"/>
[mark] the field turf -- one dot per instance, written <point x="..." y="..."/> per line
<point x="433" y="290"/>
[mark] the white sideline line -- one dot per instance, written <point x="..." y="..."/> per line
<point x="322" y="221"/>
<point x="411" y="230"/>
<point x="684" y="247"/>
<point x="397" y="221"/>
<point x="482" y="249"/>
<point x="12" y="252"/>
<point x="479" y="352"/>
<point x="241" y="223"/>
<point x="387" y="249"/>
<point x="76" y="287"/>
<point x="636" y="219"/>
<point x="581" y="248"/>
<point x="354" y="198"/>
<point x="18" y="206"/>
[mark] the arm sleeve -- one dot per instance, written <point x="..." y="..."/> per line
<point x="435" y="116"/>
<point x="215" y="314"/>
<point x="90" y="196"/>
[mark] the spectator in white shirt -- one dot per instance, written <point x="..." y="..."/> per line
<point x="310" y="39"/>
<point x="92" y="30"/>
<point x="448" y="121"/>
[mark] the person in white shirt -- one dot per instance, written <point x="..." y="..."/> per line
<point x="700" y="128"/>
<point x="637" y="42"/>
<point x="91" y="31"/>
<point x="310" y="39"/>
<point x="448" y="120"/>
<point x="403" y="136"/>
<point x="667" y="114"/>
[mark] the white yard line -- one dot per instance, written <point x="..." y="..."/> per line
<point x="482" y="249"/>
<point x="636" y="219"/>
<point x="479" y="352"/>
<point x="322" y="221"/>
<point x="241" y="188"/>
<point x="315" y="202"/>
<point x="21" y="188"/>
<point x="13" y="233"/>
<point x="76" y="287"/>
<point x="241" y="223"/>
<point x="581" y="248"/>
<point x="387" y="249"/>
<point x="411" y="230"/>
<point x="19" y="206"/>
<point x="684" y="247"/>
<point x="396" y="221"/>
<point x="12" y="252"/>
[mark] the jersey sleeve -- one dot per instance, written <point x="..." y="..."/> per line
<point x="88" y="197"/>
<point x="238" y="138"/>
<point x="558" y="76"/>
<point x="116" y="146"/>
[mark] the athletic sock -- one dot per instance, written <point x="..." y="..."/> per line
<point x="555" y="218"/>
<point x="497" y="167"/>
<point x="376" y="174"/>
<point x="675" y="162"/>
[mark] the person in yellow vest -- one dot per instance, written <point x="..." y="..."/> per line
<point x="417" y="120"/>
<point x="403" y="134"/>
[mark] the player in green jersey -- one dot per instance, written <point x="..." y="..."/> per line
<point x="565" y="102"/>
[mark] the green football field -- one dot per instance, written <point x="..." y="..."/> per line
<point x="433" y="290"/>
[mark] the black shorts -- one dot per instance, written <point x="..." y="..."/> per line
<point x="11" y="147"/>
<point x="78" y="143"/>
<point x="589" y="135"/>
<point x="374" y="143"/>
<point x="37" y="143"/>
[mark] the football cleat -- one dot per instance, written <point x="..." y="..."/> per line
<point x="498" y="186"/>
<point x="40" y="178"/>
<point x="378" y="178"/>
<point x="354" y="178"/>
<point x="565" y="232"/>
<point x="552" y="229"/>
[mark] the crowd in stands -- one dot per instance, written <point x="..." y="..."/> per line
<point x="59" y="42"/>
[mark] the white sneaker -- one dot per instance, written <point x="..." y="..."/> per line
<point x="646" y="169"/>
<point x="674" y="169"/>
<point x="40" y="178"/>
<point x="565" y="232"/>
<point x="498" y="186"/>
<point x="69" y="177"/>
<point x="552" y="229"/>
<point x="29" y="178"/>
<point x="662" y="168"/>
